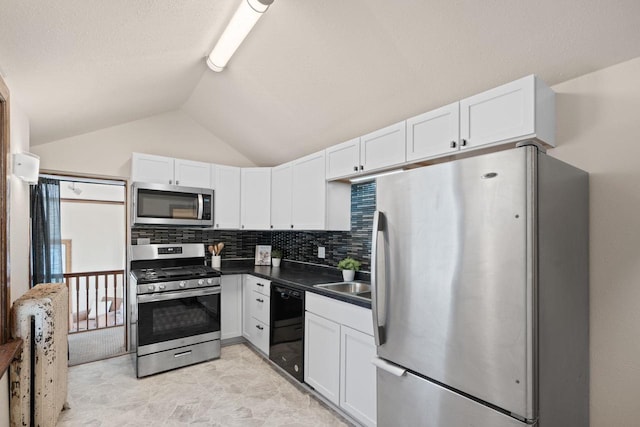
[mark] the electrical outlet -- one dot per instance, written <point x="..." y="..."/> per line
<point x="321" y="252"/>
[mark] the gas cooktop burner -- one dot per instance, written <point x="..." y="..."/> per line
<point x="150" y="275"/>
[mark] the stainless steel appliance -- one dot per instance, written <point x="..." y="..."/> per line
<point x="286" y="338"/>
<point x="175" y="307"/>
<point x="159" y="204"/>
<point x="480" y="293"/>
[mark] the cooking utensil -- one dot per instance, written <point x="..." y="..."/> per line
<point x="211" y="249"/>
<point x="220" y="247"/>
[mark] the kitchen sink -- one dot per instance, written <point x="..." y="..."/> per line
<point x="356" y="289"/>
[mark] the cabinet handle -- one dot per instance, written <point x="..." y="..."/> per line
<point x="259" y="327"/>
<point x="217" y="225"/>
<point x="260" y="284"/>
<point x="355" y="168"/>
<point x="361" y="167"/>
<point x="170" y="181"/>
<point x="242" y="226"/>
<point x="271" y="226"/>
<point x="259" y="300"/>
<point x="291" y="225"/>
<point x="453" y="144"/>
<point x="464" y="143"/>
<point x="177" y="182"/>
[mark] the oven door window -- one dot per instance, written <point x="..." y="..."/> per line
<point x="178" y="318"/>
<point x="167" y="204"/>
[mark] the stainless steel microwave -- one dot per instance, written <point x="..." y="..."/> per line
<point x="171" y="205"/>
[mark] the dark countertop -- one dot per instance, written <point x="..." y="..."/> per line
<point x="296" y="275"/>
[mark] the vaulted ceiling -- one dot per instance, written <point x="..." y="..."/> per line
<point x="311" y="74"/>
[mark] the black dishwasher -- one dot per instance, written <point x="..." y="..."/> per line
<point x="286" y="343"/>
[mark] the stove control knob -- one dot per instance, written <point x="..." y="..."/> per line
<point x="200" y="282"/>
<point x="209" y="281"/>
<point x="151" y="287"/>
<point x="161" y="287"/>
<point x="183" y="284"/>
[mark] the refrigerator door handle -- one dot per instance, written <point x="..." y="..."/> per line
<point x="377" y="303"/>
<point x="389" y="367"/>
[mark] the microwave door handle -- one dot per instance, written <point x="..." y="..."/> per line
<point x="200" y="206"/>
<point x="378" y="303"/>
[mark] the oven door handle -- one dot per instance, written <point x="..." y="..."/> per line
<point x="177" y="295"/>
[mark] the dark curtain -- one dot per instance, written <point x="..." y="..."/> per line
<point x="46" y="243"/>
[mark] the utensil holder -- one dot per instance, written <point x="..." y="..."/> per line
<point x="215" y="261"/>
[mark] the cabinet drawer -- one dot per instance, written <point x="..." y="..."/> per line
<point x="353" y="316"/>
<point x="259" y="307"/>
<point x="259" y="285"/>
<point x="260" y="335"/>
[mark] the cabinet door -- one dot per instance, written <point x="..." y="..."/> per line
<point x="309" y="192"/>
<point x="281" y="187"/>
<point x="358" y="375"/>
<point x="384" y="147"/>
<point x="499" y="114"/>
<point x="150" y="168"/>
<point x="231" y="307"/>
<point x="322" y="356"/>
<point x="192" y="174"/>
<point x="226" y="180"/>
<point x="343" y="159"/>
<point x="434" y="133"/>
<point x="255" y="198"/>
<point x="247" y="320"/>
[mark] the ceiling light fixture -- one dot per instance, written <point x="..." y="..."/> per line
<point x="242" y="22"/>
<point x="374" y="176"/>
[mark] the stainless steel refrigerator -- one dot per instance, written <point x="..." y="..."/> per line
<point x="481" y="293"/>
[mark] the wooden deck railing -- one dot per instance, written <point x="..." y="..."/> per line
<point x="97" y="300"/>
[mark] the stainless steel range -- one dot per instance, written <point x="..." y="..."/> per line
<point x="175" y="307"/>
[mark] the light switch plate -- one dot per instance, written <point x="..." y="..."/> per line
<point x="321" y="252"/>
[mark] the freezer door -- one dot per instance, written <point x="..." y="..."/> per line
<point x="455" y="275"/>
<point x="430" y="405"/>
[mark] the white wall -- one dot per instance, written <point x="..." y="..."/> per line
<point x="18" y="229"/>
<point x="598" y="118"/>
<point x="108" y="151"/>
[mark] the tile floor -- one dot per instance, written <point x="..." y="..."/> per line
<point x="239" y="389"/>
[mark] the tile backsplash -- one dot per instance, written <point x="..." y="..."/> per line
<point x="295" y="245"/>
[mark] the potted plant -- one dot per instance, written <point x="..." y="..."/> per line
<point x="349" y="266"/>
<point x="276" y="257"/>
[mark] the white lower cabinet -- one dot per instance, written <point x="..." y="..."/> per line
<point x="231" y="307"/>
<point x="338" y="354"/>
<point x="256" y="312"/>
<point x="358" y="375"/>
<point x="322" y="356"/>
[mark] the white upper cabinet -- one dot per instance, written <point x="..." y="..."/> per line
<point x="167" y="170"/>
<point x="188" y="173"/>
<point x="281" y="193"/>
<point x="434" y="133"/>
<point x="520" y="110"/>
<point x="301" y="199"/>
<point x="255" y="198"/>
<point x="150" y="168"/>
<point x="383" y="148"/>
<point x="225" y="181"/>
<point x="376" y="150"/>
<point x="343" y="159"/>
<point x="309" y="188"/>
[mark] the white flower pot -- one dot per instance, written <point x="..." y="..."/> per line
<point x="348" y="275"/>
<point x="276" y="262"/>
